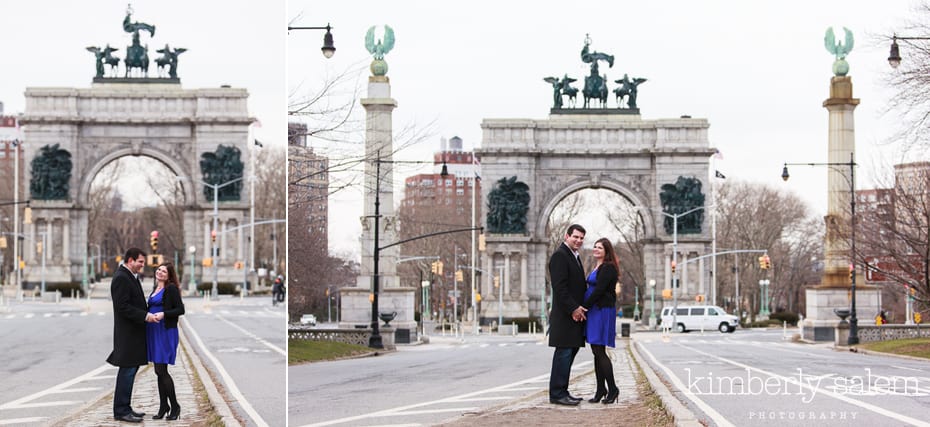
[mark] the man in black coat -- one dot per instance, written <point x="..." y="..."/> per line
<point x="566" y="319"/>
<point x="130" y="312"/>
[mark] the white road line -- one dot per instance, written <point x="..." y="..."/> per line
<point x="524" y="388"/>
<point x="18" y="403"/>
<point x="83" y="313"/>
<point x="47" y="315"/>
<point x="483" y="399"/>
<point x="230" y="384"/>
<point x="280" y="350"/>
<point x="392" y="411"/>
<point x="45" y="404"/>
<point x="484" y="345"/>
<point x="713" y="414"/>
<point x="100" y="313"/>
<point x="29" y="316"/>
<point x="10" y="316"/>
<point x="816" y="389"/>
<point x="77" y="390"/>
<point x="22" y="420"/>
<point x="434" y="411"/>
<point x="502" y="345"/>
<point x="906" y="368"/>
<point x="65" y="314"/>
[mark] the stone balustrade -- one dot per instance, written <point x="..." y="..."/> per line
<point x="347" y="336"/>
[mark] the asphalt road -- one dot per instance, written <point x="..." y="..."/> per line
<point x="244" y="346"/>
<point x="424" y="384"/>
<point x="758" y="378"/>
<point x="53" y="361"/>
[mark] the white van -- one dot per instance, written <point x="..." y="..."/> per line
<point x="699" y="317"/>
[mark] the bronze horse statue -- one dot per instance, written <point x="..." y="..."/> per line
<point x="595" y="87"/>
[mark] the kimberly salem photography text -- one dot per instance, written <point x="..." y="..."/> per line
<point x="753" y="383"/>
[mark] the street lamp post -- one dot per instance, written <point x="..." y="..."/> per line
<point x="764" y="297"/>
<point x="853" y="320"/>
<point x="652" y="303"/>
<point x="328" y="48"/>
<point x="216" y="214"/>
<point x="192" y="285"/>
<point x="894" y="57"/>
<point x="674" y="218"/>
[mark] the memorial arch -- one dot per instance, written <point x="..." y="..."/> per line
<point x="155" y="118"/>
<point x="70" y="134"/>
<point x="576" y="149"/>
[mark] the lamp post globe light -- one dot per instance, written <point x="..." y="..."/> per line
<point x="328" y="49"/>
<point x="853" y="319"/>
<point x="894" y="56"/>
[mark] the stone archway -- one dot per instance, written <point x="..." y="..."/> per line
<point x="156" y="119"/>
<point x="568" y="152"/>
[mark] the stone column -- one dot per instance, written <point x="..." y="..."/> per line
<point x="505" y="281"/>
<point x="523" y="276"/>
<point x="841" y="143"/>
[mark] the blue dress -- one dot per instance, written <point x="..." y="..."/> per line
<point x="162" y="343"/>
<point x="601" y="327"/>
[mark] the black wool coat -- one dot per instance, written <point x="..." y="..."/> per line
<point x="605" y="293"/>
<point x="568" y="288"/>
<point x="129" y="310"/>
<point x="173" y="306"/>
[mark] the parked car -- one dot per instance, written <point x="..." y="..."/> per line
<point x="308" y="319"/>
<point x="697" y="317"/>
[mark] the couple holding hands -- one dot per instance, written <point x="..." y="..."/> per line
<point x="144" y="332"/>
<point x="583" y="309"/>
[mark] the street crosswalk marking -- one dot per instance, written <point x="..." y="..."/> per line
<point x="14" y="421"/>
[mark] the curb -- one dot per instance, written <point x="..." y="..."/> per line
<point x="213" y="395"/>
<point x="683" y="416"/>
<point x="878" y="353"/>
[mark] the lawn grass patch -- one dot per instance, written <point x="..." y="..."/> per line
<point x="916" y="347"/>
<point x="303" y="351"/>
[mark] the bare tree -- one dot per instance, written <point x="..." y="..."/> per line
<point x="755" y="216"/>
<point x="893" y="232"/>
<point x="911" y="83"/>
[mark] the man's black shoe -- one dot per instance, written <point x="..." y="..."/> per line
<point x="129" y="418"/>
<point x="138" y="414"/>
<point x="575" y="398"/>
<point x="564" y="401"/>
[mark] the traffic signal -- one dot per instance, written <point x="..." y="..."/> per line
<point x="437" y="268"/>
<point x="207" y="262"/>
<point x="765" y="262"/>
<point x="2" y="242"/>
<point x="459" y="276"/>
<point x="237" y="265"/>
<point x="852" y="271"/>
<point x="674" y="264"/>
<point x="213" y="236"/>
<point x="699" y="298"/>
<point x="153" y="240"/>
<point x="917" y="317"/>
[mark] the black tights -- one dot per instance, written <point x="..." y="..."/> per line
<point x="165" y="386"/>
<point x="603" y="370"/>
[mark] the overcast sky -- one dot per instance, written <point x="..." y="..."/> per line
<point x="758" y="71"/>
<point x="235" y="42"/>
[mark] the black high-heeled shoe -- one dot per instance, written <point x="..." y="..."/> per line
<point x="611" y="396"/>
<point x="162" y="410"/>
<point x="597" y="397"/>
<point x="175" y="413"/>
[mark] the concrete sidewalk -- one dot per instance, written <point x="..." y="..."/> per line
<point x="536" y="409"/>
<point x="201" y="402"/>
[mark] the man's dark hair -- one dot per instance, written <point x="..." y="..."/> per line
<point x="133" y="253"/>
<point x="573" y="227"/>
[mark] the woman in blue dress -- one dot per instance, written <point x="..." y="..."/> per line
<point x="600" y="299"/>
<point x="162" y="336"/>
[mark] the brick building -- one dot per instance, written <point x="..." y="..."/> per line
<point x="308" y="184"/>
